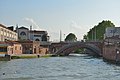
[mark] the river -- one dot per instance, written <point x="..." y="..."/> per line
<point x="74" y="67"/>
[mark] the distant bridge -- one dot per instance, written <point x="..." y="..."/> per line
<point x="64" y="49"/>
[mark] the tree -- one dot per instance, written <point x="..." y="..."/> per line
<point x="71" y="37"/>
<point x="98" y="31"/>
<point x="85" y="37"/>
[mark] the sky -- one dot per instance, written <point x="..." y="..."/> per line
<point x="69" y="16"/>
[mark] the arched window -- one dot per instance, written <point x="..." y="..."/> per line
<point x="37" y="40"/>
<point x="23" y="33"/>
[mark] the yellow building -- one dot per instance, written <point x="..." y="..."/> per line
<point x="7" y="34"/>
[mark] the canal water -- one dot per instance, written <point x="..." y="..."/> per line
<point x="73" y="67"/>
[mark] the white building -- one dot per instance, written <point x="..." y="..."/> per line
<point x="33" y="35"/>
<point x="112" y="32"/>
<point x="7" y="34"/>
<point x="23" y="33"/>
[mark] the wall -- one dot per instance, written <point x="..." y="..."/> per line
<point x="112" y="31"/>
<point x="110" y="51"/>
<point x="23" y="37"/>
<point x="7" y="34"/>
<point x="14" y="49"/>
<point x="36" y="47"/>
<point x="44" y="50"/>
<point x="17" y="49"/>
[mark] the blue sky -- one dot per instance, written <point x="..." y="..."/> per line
<point x="76" y="16"/>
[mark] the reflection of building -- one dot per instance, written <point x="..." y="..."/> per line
<point x="7" y="33"/>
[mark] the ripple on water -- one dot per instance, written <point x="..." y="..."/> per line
<point x="59" y="68"/>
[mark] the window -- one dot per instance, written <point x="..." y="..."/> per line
<point x="23" y="33"/>
<point x="20" y="48"/>
<point x="37" y="35"/>
<point x="3" y="49"/>
<point x="8" y="49"/>
<point x="37" y="40"/>
<point x="15" y="47"/>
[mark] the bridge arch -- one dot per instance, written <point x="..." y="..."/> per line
<point x="67" y="49"/>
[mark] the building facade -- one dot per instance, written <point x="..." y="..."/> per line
<point x="7" y="34"/>
<point x="111" y="47"/>
<point x="32" y="35"/>
<point x="30" y="47"/>
<point x="112" y="32"/>
<point x="23" y="33"/>
<point x="14" y="48"/>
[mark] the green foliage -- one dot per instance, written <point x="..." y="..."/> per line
<point x="80" y="51"/>
<point x="71" y="37"/>
<point x="97" y="32"/>
<point x="23" y="57"/>
<point x="85" y="37"/>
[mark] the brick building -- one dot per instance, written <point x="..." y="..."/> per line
<point x="111" y="48"/>
<point x="14" y="48"/>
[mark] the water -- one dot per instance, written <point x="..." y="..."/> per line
<point x="77" y="67"/>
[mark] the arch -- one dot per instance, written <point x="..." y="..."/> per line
<point x="37" y="39"/>
<point x="23" y="33"/>
<point x="66" y="50"/>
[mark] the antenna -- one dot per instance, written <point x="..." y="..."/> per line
<point x="30" y="27"/>
<point x="30" y="32"/>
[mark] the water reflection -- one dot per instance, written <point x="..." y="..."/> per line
<point x="73" y="67"/>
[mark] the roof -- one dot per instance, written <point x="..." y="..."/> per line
<point x="38" y="32"/>
<point x="3" y="43"/>
<point x="26" y="41"/>
<point x="6" y="27"/>
<point x="3" y="26"/>
<point x="23" y="28"/>
<point x="7" y="43"/>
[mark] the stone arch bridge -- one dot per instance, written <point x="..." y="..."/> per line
<point x="65" y="49"/>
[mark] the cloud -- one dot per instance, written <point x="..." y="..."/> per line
<point x="33" y="22"/>
<point x="54" y="36"/>
<point x="73" y="24"/>
<point x="78" y="30"/>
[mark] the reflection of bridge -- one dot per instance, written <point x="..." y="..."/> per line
<point x="65" y="49"/>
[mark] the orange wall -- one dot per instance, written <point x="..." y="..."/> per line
<point x="15" y="49"/>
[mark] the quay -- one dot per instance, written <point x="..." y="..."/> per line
<point x="23" y="56"/>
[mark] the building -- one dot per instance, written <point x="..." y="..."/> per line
<point x="24" y="34"/>
<point x="112" y="32"/>
<point x="111" y="47"/>
<point x="32" y="35"/>
<point x="14" y="48"/>
<point x="3" y="47"/>
<point x="10" y="47"/>
<point x="7" y="33"/>
<point x="36" y="35"/>
<point x="30" y="47"/>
